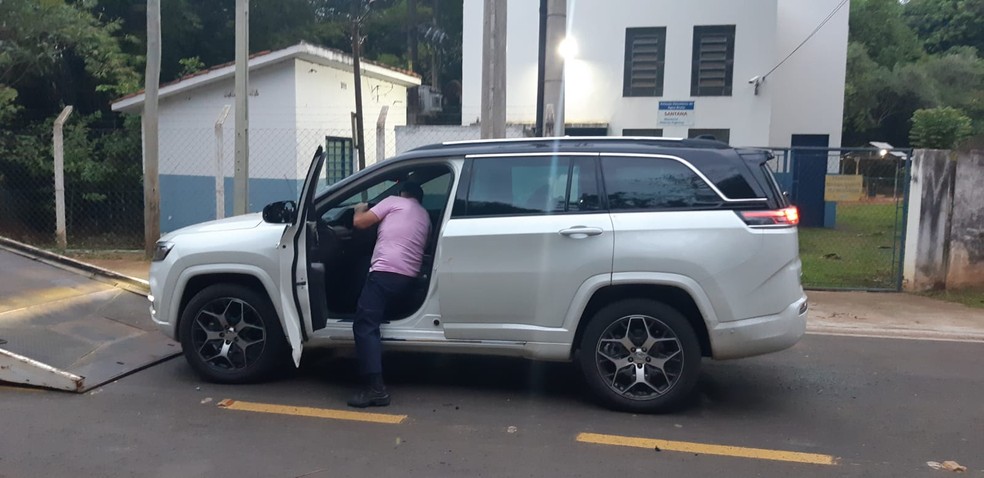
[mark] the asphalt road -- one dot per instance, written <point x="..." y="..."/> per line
<point x="880" y="407"/>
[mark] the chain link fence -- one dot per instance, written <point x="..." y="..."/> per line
<point x="851" y="201"/>
<point x="103" y="174"/>
<point x="852" y="213"/>
<point x="103" y="187"/>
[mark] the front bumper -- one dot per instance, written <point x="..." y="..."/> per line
<point x="759" y="335"/>
<point x="157" y="313"/>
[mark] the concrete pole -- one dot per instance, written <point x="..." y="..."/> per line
<point x="553" y="67"/>
<point x="152" y="79"/>
<point x="59" y="149"/>
<point x="494" y="70"/>
<point x="381" y="134"/>
<point x="219" y="159"/>
<point x="241" y="177"/>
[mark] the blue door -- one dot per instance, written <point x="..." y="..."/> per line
<point x="809" y="175"/>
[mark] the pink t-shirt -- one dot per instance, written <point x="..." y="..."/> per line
<point x="401" y="237"/>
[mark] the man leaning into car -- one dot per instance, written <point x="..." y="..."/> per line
<point x="396" y="260"/>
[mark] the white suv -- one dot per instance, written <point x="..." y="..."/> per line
<point x="634" y="257"/>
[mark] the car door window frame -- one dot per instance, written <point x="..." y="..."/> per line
<point x="460" y="207"/>
<point x="325" y="203"/>
<point x="726" y="202"/>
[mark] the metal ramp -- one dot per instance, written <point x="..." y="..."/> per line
<point x="64" y="328"/>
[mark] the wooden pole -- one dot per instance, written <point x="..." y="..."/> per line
<point x="241" y="176"/>
<point x="494" y="70"/>
<point x="152" y="78"/>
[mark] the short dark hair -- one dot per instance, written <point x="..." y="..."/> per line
<point x="412" y="189"/>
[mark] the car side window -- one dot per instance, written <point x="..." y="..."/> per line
<point x="637" y="183"/>
<point x="436" y="192"/>
<point x="521" y="185"/>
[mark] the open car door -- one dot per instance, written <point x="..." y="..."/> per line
<point x="294" y="293"/>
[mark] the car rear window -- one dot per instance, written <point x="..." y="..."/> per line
<point x="758" y="164"/>
<point x="642" y="183"/>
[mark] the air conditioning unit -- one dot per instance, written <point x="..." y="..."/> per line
<point x="430" y="100"/>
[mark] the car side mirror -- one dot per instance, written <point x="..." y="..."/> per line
<point x="280" y="212"/>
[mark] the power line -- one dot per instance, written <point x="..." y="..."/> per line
<point x="815" y="30"/>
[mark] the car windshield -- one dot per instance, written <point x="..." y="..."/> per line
<point x="428" y="179"/>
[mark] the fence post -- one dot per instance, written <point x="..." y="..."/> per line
<point x="219" y="172"/>
<point x="381" y="134"/>
<point x="59" y="149"/>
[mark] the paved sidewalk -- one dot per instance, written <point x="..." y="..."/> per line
<point x="877" y="314"/>
<point x="893" y="315"/>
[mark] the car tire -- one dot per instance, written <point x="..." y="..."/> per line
<point x="232" y="334"/>
<point x="630" y="332"/>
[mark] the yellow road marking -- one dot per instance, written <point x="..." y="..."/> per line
<point x="230" y="404"/>
<point x="708" y="449"/>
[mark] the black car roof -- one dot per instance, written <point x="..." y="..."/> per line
<point x="610" y="144"/>
<point x="716" y="160"/>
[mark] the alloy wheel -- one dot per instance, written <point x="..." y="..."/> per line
<point x="639" y="357"/>
<point x="228" y="334"/>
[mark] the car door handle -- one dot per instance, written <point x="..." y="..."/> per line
<point x="578" y="232"/>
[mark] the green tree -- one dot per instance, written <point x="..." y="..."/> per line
<point x="939" y="128"/>
<point x="945" y="24"/>
<point x="956" y="79"/>
<point x="879" y="100"/>
<point x="880" y="27"/>
<point x="54" y="49"/>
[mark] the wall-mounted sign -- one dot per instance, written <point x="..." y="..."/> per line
<point x="843" y="187"/>
<point x="676" y="113"/>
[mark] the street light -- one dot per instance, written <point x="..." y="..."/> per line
<point x="568" y="48"/>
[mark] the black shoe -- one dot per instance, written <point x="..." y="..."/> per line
<point x="370" y="397"/>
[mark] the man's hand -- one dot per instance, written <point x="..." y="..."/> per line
<point x="364" y="218"/>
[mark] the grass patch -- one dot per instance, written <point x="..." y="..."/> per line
<point x="861" y="252"/>
<point x="969" y="297"/>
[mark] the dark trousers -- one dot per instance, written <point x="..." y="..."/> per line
<point x="380" y="290"/>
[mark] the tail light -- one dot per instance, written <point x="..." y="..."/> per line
<point x="787" y="217"/>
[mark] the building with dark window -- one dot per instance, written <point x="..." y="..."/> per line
<point x="737" y="71"/>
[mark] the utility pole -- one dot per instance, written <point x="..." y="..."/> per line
<point x="152" y="79"/>
<point x="240" y="204"/>
<point x="540" y="66"/>
<point x="435" y="49"/>
<point x="357" y="17"/>
<point x="552" y="67"/>
<point x="413" y="93"/>
<point x="494" y="70"/>
<point x="412" y="33"/>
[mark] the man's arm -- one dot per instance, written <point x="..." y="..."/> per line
<point x="364" y="218"/>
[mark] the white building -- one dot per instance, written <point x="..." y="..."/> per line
<point x="300" y="98"/>
<point x="636" y="54"/>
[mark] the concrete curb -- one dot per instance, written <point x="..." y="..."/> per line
<point x="890" y="332"/>
<point x="131" y="284"/>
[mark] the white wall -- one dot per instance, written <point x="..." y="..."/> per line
<point x="410" y="137"/>
<point x="808" y="90"/>
<point x="594" y="80"/>
<point x="326" y="100"/>
<point x="187" y="120"/>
